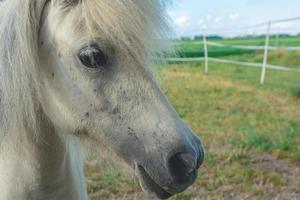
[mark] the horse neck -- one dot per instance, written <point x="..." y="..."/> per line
<point x="46" y="167"/>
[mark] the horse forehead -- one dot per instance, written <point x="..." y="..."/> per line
<point x="127" y="27"/>
<point x="63" y="30"/>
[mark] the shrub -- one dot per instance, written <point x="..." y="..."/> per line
<point x="295" y="90"/>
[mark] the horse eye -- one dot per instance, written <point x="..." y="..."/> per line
<point x="92" y="57"/>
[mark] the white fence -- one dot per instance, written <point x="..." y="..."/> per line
<point x="266" y="48"/>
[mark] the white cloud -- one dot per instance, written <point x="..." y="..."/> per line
<point x="208" y="17"/>
<point x="286" y="25"/>
<point x="182" y="21"/>
<point x="200" y="22"/>
<point x="218" y="19"/>
<point x="234" y="16"/>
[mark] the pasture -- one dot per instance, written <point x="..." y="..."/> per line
<point x="251" y="132"/>
<point x="195" y="48"/>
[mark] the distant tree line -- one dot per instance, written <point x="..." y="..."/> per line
<point x="218" y="37"/>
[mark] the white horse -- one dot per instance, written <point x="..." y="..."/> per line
<point x="74" y="70"/>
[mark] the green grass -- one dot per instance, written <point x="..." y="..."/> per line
<point x="195" y="48"/>
<point x="282" y="41"/>
<point x="295" y="90"/>
<point x="251" y="132"/>
<point x="225" y="103"/>
<point x="238" y="121"/>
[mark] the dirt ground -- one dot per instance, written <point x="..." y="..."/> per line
<point x="287" y="189"/>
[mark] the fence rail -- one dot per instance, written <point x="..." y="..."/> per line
<point x="266" y="48"/>
<point x="225" y="61"/>
<point x="252" y="47"/>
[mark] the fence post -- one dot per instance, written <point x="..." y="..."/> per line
<point x="266" y="51"/>
<point x="277" y="38"/>
<point x="205" y="53"/>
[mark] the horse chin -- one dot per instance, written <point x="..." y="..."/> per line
<point x="150" y="186"/>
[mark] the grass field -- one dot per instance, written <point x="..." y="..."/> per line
<point x="195" y="49"/>
<point x="251" y="132"/>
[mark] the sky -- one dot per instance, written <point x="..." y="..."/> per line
<point x="232" y="17"/>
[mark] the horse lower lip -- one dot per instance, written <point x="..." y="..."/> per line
<point x="152" y="185"/>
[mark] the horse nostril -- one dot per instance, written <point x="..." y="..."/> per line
<point x="200" y="158"/>
<point x="181" y="165"/>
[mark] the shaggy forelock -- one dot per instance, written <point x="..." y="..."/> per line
<point x="137" y="25"/>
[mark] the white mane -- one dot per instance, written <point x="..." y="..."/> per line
<point x="18" y="65"/>
<point x="19" y="31"/>
<point x="46" y="106"/>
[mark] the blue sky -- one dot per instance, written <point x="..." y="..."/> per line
<point x="191" y="16"/>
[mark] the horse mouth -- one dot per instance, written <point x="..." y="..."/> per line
<point x="150" y="186"/>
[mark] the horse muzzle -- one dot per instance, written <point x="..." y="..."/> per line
<point x="182" y="169"/>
